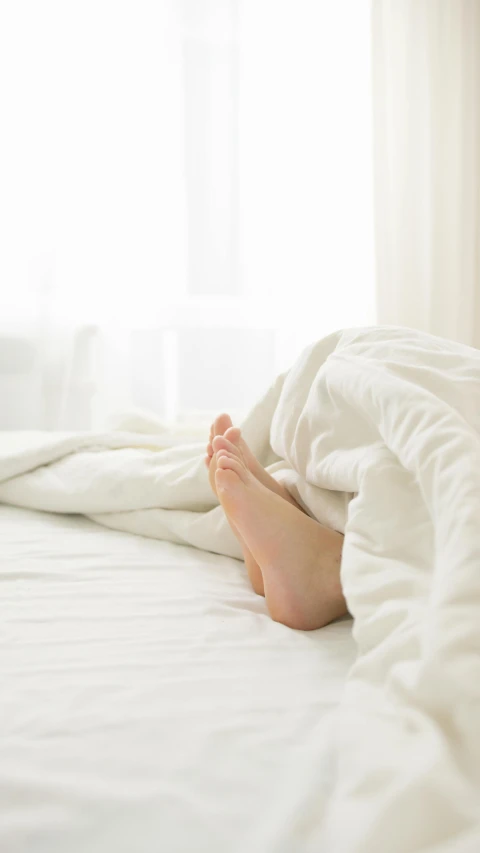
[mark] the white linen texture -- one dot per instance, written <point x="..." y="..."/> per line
<point x="376" y="431"/>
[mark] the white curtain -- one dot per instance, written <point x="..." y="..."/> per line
<point x="426" y="77"/>
<point x="186" y="200"/>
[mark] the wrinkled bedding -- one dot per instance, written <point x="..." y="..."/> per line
<point x="376" y="432"/>
<point x="148" y="702"/>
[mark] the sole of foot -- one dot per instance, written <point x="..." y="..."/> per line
<point x="299" y="559"/>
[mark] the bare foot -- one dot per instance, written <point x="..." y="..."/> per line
<point x="221" y="425"/>
<point x="299" y="559"/>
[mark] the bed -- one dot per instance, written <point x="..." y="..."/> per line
<point x="148" y="700"/>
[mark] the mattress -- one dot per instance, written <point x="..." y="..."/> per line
<point x="148" y="701"/>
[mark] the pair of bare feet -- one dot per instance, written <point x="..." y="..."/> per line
<point x="291" y="559"/>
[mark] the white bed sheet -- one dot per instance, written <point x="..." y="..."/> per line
<point x="149" y="703"/>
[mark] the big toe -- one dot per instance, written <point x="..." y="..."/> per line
<point x="221" y="424"/>
<point x="233" y="434"/>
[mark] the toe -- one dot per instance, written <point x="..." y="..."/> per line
<point x="233" y="434"/>
<point x="221" y="424"/>
<point x="224" y="454"/>
<point x="226" y="460"/>
<point x="222" y="443"/>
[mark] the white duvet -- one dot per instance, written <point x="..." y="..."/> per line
<point x="376" y="432"/>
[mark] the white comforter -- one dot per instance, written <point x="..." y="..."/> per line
<point x="391" y="417"/>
